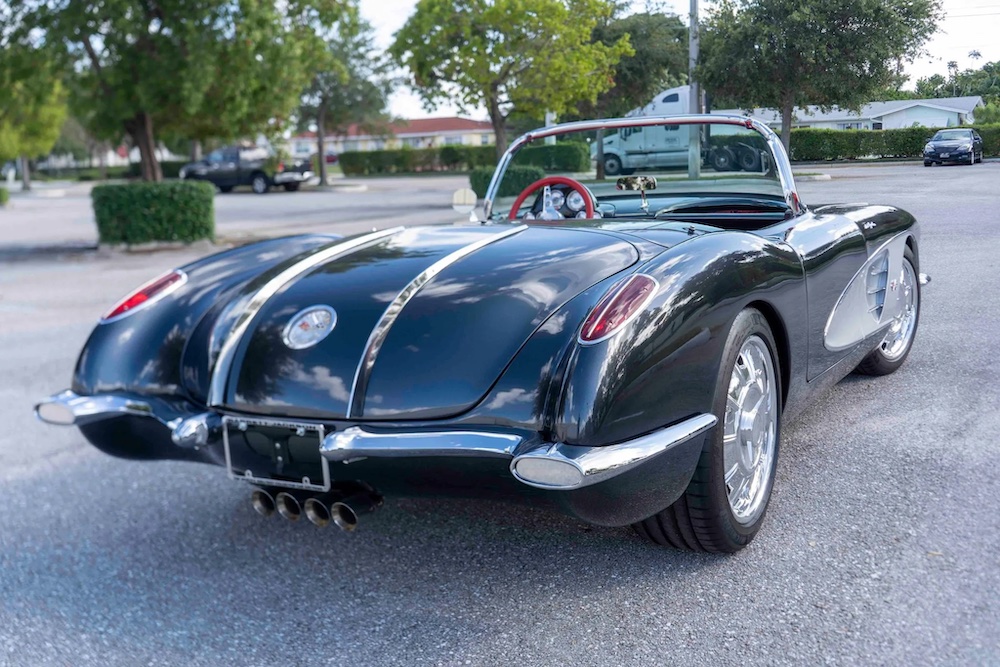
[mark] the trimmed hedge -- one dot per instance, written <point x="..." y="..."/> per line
<point x="568" y="156"/>
<point x="818" y="145"/>
<point x="142" y="212"/>
<point x="514" y="180"/>
<point x="4" y="196"/>
<point x="416" y="160"/>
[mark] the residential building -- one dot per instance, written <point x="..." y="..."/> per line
<point x="416" y="133"/>
<point x="942" y="112"/>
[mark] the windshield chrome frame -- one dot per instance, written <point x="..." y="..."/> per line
<point x="773" y="143"/>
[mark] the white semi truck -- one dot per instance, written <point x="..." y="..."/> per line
<point x="667" y="146"/>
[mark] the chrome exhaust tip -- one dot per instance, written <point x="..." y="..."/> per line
<point x="288" y="506"/>
<point x="317" y="512"/>
<point x="262" y="502"/>
<point x="346" y="513"/>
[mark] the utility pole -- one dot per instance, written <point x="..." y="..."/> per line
<point x="694" y="140"/>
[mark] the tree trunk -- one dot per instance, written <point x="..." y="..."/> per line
<point x="195" y="150"/>
<point x="499" y="122"/>
<point x="786" y="124"/>
<point x="25" y="174"/>
<point x="140" y="128"/>
<point x="321" y="143"/>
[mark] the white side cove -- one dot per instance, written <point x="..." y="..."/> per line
<point x="220" y="374"/>
<point x="871" y="301"/>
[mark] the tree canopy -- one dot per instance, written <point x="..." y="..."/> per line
<point x="532" y="55"/>
<point x="983" y="81"/>
<point x="659" y="60"/>
<point x="207" y="68"/>
<point x="786" y="53"/>
<point x="352" y="88"/>
<point x="33" y="101"/>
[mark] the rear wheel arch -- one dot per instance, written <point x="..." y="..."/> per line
<point x="911" y="243"/>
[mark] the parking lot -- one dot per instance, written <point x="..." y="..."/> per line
<point x="882" y="543"/>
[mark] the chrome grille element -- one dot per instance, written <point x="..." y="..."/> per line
<point x="876" y="282"/>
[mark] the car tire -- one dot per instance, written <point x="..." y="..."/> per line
<point x="291" y="187"/>
<point x="712" y="515"/>
<point x="225" y="188"/>
<point x="927" y="163"/>
<point x="259" y="183"/>
<point x="972" y="157"/>
<point x="895" y="347"/>
<point x="612" y="165"/>
<point x="980" y="158"/>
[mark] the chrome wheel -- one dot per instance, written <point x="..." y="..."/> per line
<point x="750" y="433"/>
<point x="900" y="334"/>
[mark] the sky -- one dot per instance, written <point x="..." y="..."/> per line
<point x="968" y="25"/>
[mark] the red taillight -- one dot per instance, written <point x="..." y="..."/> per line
<point x="618" y="306"/>
<point x="147" y="294"/>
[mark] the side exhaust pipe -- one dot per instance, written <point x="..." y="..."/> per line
<point x="288" y="506"/>
<point x="262" y="502"/>
<point x="346" y="513"/>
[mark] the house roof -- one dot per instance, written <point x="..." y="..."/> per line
<point x="417" y="127"/>
<point x="873" y="110"/>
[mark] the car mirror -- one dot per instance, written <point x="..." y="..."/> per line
<point x="464" y="201"/>
<point x="643" y="183"/>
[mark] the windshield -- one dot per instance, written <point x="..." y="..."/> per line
<point x="642" y="171"/>
<point x="951" y="135"/>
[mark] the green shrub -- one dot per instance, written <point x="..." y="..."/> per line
<point x="515" y="179"/>
<point x="569" y="156"/>
<point x="4" y="196"/>
<point x="142" y="212"/>
<point x="415" y="160"/>
<point x="815" y="145"/>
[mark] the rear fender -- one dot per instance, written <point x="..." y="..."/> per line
<point x="145" y="352"/>
<point x="663" y="366"/>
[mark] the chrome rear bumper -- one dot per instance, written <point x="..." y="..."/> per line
<point x="543" y="465"/>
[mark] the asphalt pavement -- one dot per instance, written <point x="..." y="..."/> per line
<point x="881" y="545"/>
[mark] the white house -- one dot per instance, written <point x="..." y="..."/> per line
<point x="416" y="133"/>
<point x="942" y="112"/>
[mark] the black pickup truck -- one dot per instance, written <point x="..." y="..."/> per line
<point x="257" y="167"/>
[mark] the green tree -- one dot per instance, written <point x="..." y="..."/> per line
<point x="659" y="60"/>
<point x="983" y="81"/>
<point x="532" y="55"/>
<point x="204" y="67"/>
<point x="989" y="114"/>
<point x="33" y="99"/>
<point x="353" y="88"/>
<point x="784" y="53"/>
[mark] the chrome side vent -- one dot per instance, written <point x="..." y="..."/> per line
<point x="876" y="282"/>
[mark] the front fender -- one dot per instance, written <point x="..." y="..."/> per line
<point x="663" y="366"/>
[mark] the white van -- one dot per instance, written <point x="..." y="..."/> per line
<point x="659" y="147"/>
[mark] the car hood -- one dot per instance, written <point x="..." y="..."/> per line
<point x="442" y="349"/>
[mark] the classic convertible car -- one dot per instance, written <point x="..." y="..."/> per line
<point x="623" y="350"/>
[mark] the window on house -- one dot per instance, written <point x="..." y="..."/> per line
<point x="877" y="125"/>
<point x="351" y="145"/>
<point x="484" y="140"/>
<point x="453" y="141"/>
<point x="849" y="126"/>
<point x="414" y="142"/>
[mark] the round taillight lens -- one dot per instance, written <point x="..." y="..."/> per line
<point x="622" y="302"/>
<point x="146" y="295"/>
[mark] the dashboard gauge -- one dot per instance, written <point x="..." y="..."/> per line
<point x="575" y="201"/>
<point x="558" y="199"/>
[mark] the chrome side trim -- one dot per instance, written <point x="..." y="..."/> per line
<point x="223" y="366"/>
<point x="591" y="465"/>
<point x="68" y="408"/>
<point x="381" y="330"/>
<point x="772" y="139"/>
<point x="356" y="443"/>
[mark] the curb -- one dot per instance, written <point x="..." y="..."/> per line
<point x="812" y="177"/>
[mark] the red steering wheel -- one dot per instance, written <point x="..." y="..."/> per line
<point x="588" y="199"/>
